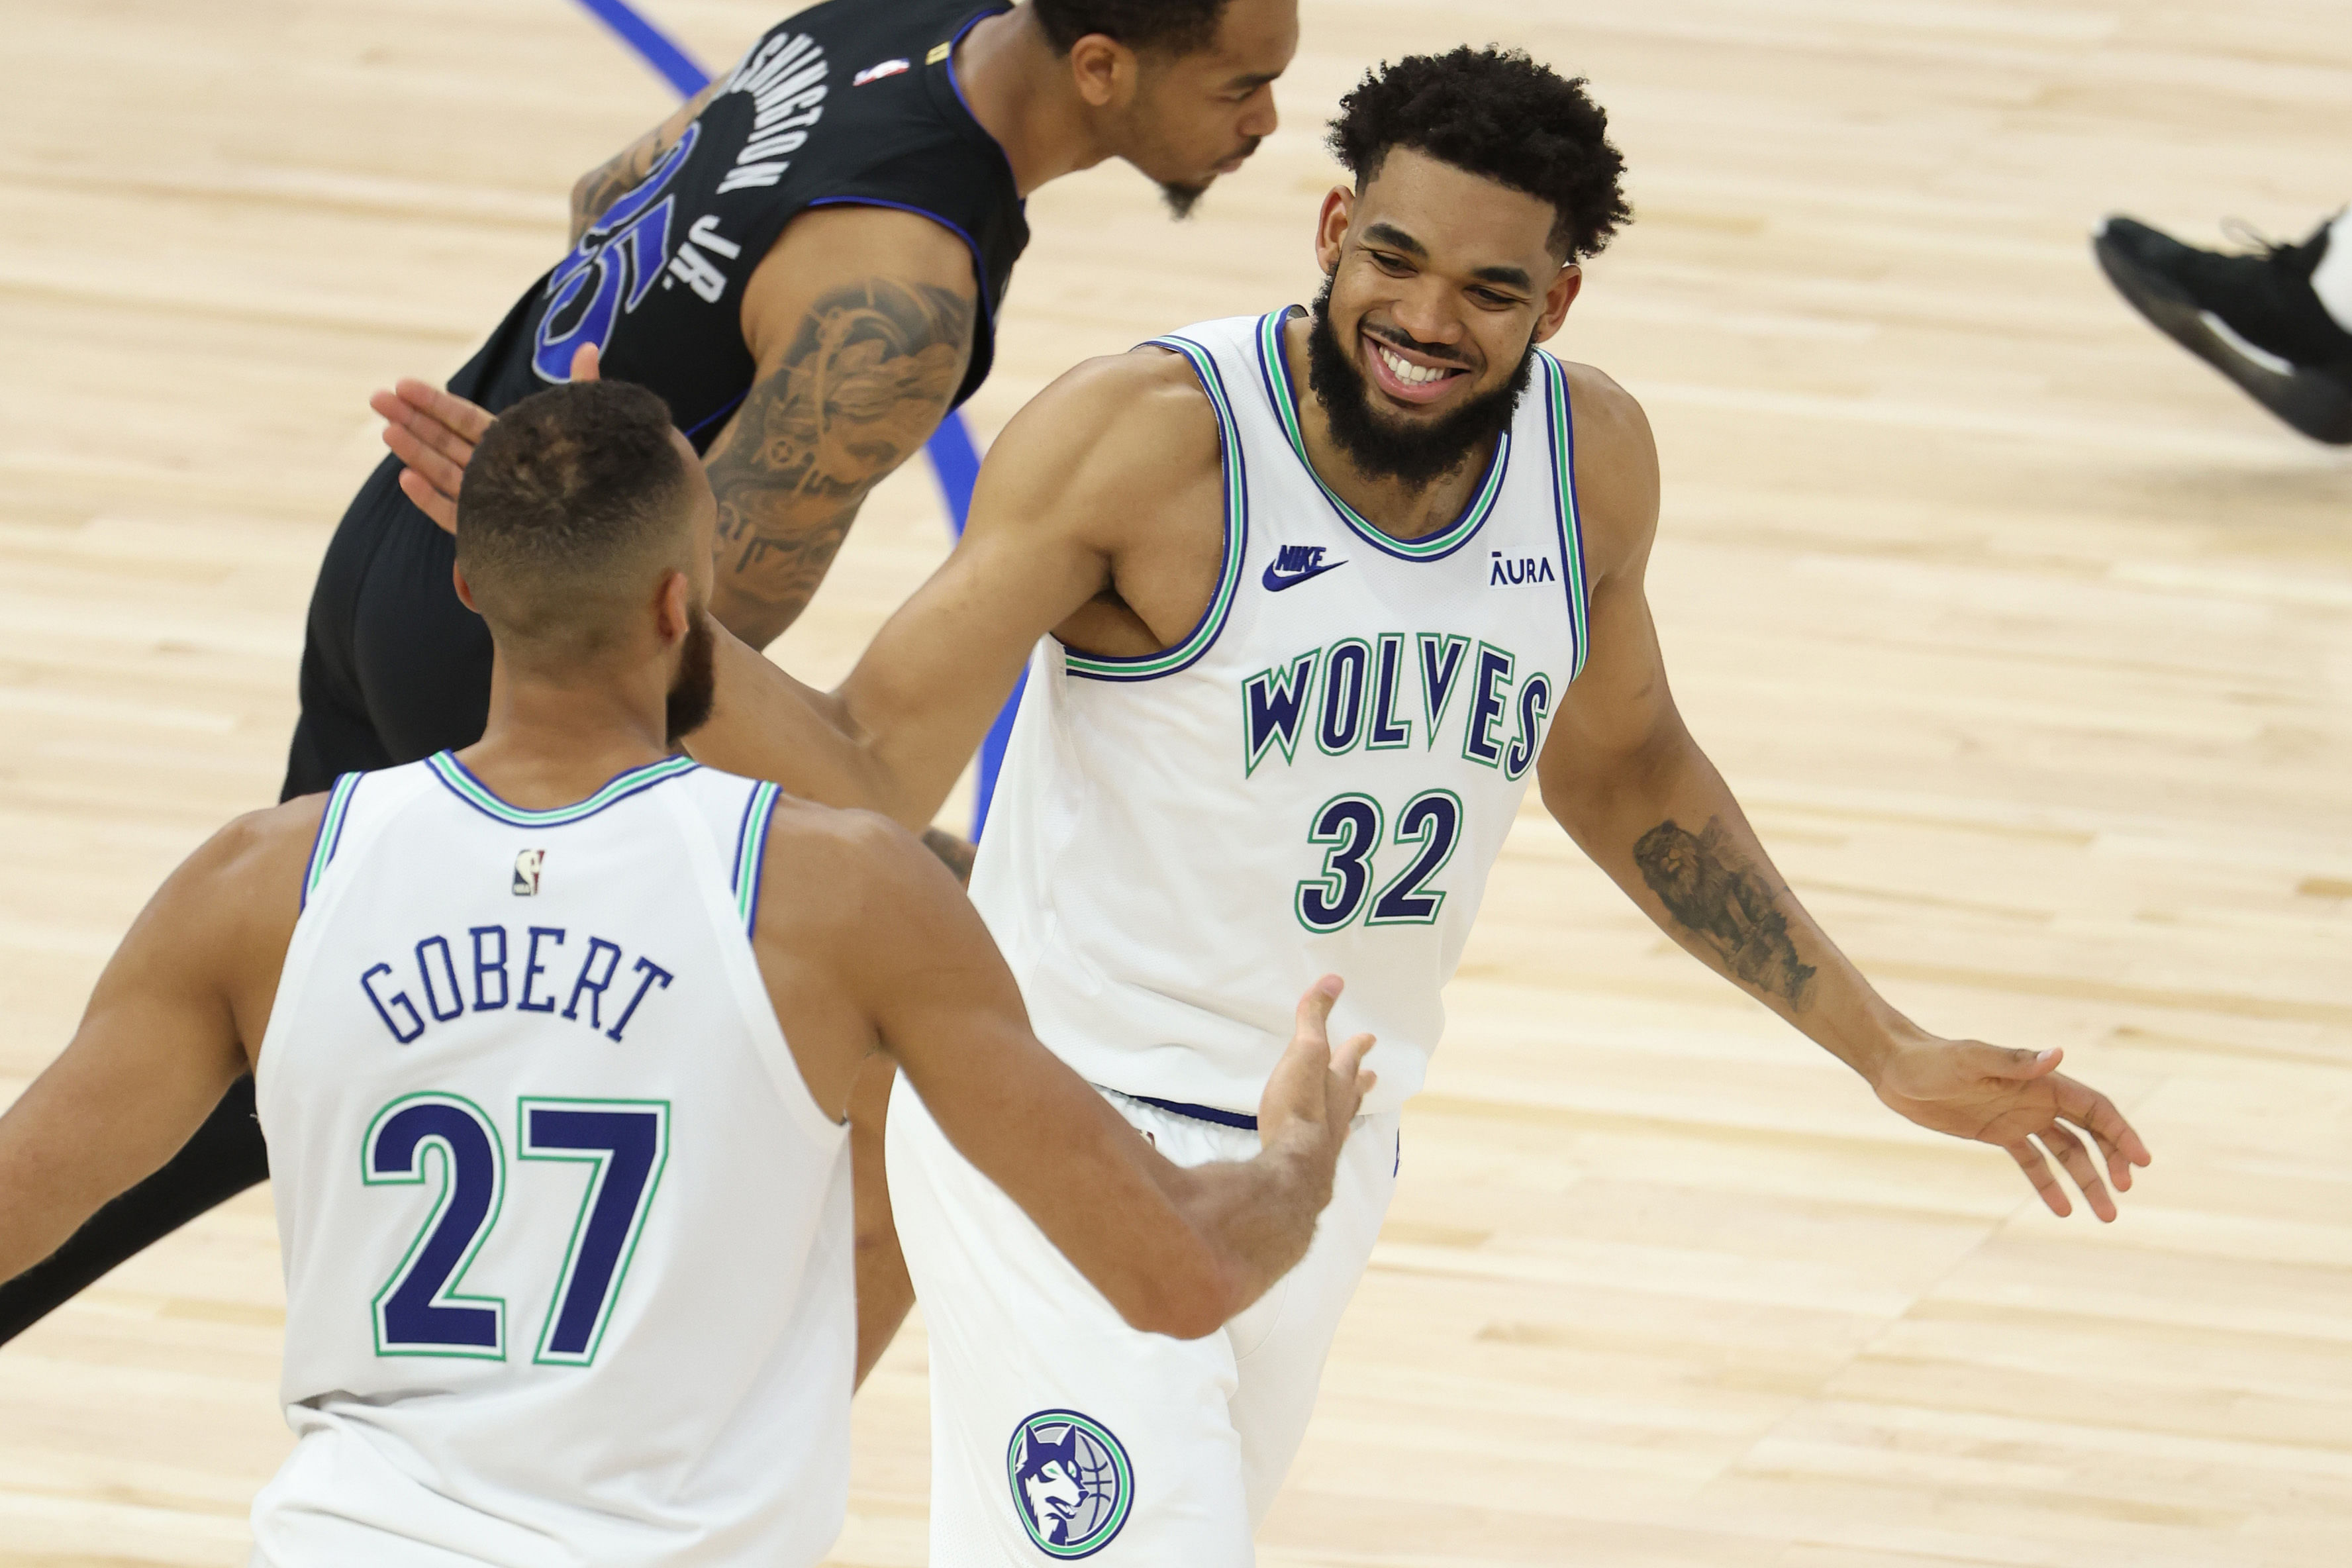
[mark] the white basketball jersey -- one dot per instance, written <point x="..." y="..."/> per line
<point x="567" y="1243"/>
<point x="1315" y="780"/>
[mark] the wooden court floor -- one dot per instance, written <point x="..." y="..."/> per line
<point x="2027" y="641"/>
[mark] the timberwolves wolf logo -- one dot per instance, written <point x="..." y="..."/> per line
<point x="1071" y="1482"/>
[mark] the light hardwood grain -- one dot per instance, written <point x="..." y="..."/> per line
<point x="2026" y="639"/>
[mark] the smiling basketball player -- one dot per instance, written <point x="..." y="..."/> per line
<point x="1306" y="600"/>
<point x="554" y="1037"/>
<point x="806" y="262"/>
<point x="1312" y="596"/>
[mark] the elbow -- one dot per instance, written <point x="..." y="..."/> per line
<point x="1189" y="1299"/>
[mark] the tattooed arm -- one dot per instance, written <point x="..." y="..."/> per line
<point x="603" y="185"/>
<point x="861" y="321"/>
<point x="1624" y="776"/>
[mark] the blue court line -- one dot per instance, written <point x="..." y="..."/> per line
<point x="955" y="462"/>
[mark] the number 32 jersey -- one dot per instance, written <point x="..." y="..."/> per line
<point x="567" y="1243"/>
<point x="1317" y="780"/>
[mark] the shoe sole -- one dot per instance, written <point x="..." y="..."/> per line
<point x="2312" y="401"/>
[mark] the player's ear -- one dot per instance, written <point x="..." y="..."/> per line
<point x="464" y="594"/>
<point x="1557" y="298"/>
<point x="1331" y="226"/>
<point x="674" y="607"/>
<point x="1103" y="69"/>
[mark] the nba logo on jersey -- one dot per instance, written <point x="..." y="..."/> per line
<point x="1071" y="1482"/>
<point x="526" y="865"/>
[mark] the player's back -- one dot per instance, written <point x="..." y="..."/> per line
<point x="567" y="1244"/>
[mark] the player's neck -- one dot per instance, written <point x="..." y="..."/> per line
<point x="1020" y="91"/>
<point x="1397" y="509"/>
<point x="554" y="743"/>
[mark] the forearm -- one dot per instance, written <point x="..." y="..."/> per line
<point x="1255" y="1218"/>
<point x="1666" y="826"/>
<point x="73" y="1141"/>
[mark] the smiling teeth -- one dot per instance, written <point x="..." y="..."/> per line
<point x="1407" y="371"/>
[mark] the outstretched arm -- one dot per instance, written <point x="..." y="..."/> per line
<point x="893" y="957"/>
<point x="1624" y="777"/>
<point x="1114" y="441"/>
<point x="169" y="1027"/>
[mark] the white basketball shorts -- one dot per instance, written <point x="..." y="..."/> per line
<point x="1058" y="1432"/>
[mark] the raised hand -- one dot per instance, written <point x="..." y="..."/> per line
<point x="1314" y="1092"/>
<point x="434" y="434"/>
<point x="2020" y="1100"/>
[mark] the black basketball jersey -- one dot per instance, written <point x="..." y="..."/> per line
<point x="848" y="102"/>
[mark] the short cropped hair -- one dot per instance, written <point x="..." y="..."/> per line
<point x="1164" y="26"/>
<point x="573" y="498"/>
<point x="1495" y="113"/>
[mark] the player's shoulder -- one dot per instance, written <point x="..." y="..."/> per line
<point x="1616" y="465"/>
<point x="830" y="870"/>
<point x="244" y="883"/>
<point x="1122" y="419"/>
<point x="262" y="843"/>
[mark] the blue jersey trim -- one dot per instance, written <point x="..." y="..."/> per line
<point x="1201" y="1112"/>
<point x="462" y="783"/>
<point x="979" y="266"/>
<point x="751" y="853"/>
<point x="1569" y="516"/>
<point x="1212" y="623"/>
<point x="331" y="831"/>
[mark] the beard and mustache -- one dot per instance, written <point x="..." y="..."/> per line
<point x="693" y="689"/>
<point x="1381" y="447"/>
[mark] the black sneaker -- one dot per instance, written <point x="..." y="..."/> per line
<point x="2253" y="318"/>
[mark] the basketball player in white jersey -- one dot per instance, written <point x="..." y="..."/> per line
<point x="1305" y="599"/>
<point x="553" y="1039"/>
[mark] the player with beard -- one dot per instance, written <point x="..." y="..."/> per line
<point x="554" y="1037"/>
<point x="807" y="263"/>
<point x="1292" y="661"/>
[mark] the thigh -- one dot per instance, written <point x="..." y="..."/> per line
<point x="1057" y="1431"/>
<point x="420" y="658"/>
<point x="1282" y="1341"/>
<point x="334" y="734"/>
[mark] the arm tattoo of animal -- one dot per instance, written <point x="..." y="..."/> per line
<point x="1730" y="907"/>
<point x="866" y="380"/>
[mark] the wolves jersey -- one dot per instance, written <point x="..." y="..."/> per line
<point x="567" y="1244"/>
<point x="1315" y="780"/>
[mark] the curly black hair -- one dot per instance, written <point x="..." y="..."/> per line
<point x="1167" y="27"/>
<point x="1497" y="113"/>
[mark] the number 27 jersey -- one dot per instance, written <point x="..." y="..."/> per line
<point x="1317" y="779"/>
<point x="567" y="1243"/>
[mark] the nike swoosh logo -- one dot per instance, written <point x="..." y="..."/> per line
<point x="1276" y="582"/>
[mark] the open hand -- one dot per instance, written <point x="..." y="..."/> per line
<point x="2019" y="1100"/>
<point x="434" y="434"/>
<point x="1314" y="1092"/>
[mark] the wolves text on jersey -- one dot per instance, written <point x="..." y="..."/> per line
<point x="1355" y="693"/>
<point x="509" y="969"/>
